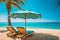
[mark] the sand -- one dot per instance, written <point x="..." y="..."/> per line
<point x="39" y="34"/>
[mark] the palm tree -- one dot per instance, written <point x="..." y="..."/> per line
<point x="9" y="4"/>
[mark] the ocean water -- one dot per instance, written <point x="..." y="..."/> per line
<point x="49" y="25"/>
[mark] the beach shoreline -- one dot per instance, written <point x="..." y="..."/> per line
<point x="36" y="30"/>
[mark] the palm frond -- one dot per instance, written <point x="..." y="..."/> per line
<point x="2" y="0"/>
<point x="15" y="0"/>
<point x="59" y="1"/>
<point x="19" y="2"/>
<point x="25" y="0"/>
<point x="16" y="5"/>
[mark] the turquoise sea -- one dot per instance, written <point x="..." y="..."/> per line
<point x="49" y="25"/>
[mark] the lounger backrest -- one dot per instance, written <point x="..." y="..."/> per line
<point x="21" y="30"/>
<point x="11" y="29"/>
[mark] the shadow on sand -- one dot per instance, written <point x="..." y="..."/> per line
<point x="41" y="36"/>
<point x="38" y="36"/>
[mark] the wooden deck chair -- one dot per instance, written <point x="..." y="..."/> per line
<point x="12" y="32"/>
<point x="24" y="32"/>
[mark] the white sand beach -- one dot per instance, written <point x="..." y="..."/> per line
<point x="39" y="34"/>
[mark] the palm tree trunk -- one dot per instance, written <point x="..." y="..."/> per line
<point x="9" y="21"/>
<point x="8" y="5"/>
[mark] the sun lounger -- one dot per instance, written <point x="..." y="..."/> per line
<point x="24" y="32"/>
<point x="11" y="32"/>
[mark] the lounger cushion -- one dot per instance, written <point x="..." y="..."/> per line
<point x="29" y="32"/>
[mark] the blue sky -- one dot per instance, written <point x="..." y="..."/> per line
<point x="49" y="9"/>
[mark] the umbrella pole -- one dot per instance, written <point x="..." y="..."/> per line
<point x="25" y="22"/>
